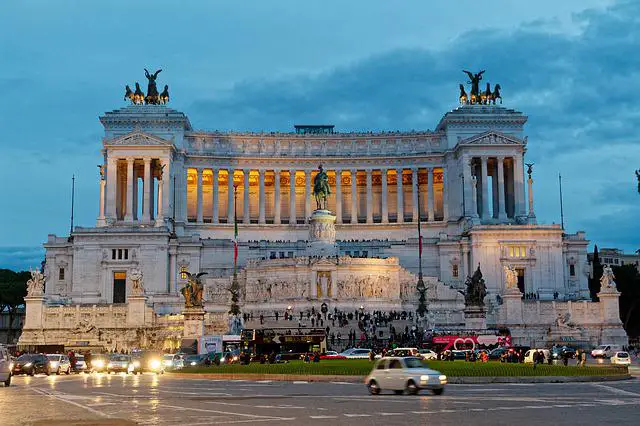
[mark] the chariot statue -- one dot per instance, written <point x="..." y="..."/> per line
<point x="476" y="289"/>
<point x="193" y="290"/>
<point x="321" y="189"/>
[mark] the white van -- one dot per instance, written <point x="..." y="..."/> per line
<point x="605" y="351"/>
<point x="528" y="356"/>
<point x="5" y="366"/>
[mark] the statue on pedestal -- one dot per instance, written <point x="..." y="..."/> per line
<point x="35" y="286"/>
<point x="137" y="288"/>
<point x="321" y="189"/>
<point x="607" y="279"/>
<point x="476" y="290"/>
<point x="193" y="290"/>
<point x="511" y="277"/>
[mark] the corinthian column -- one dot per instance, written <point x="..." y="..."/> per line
<point x="292" y="197"/>
<point x="146" y="197"/>
<point x="246" y="208"/>
<point x="261" y="204"/>
<point x="307" y="195"/>
<point x="502" y="215"/>
<point x="338" y="196"/>
<point x="485" y="189"/>
<point x="354" y="197"/>
<point x="230" y="199"/>
<point x="369" y="197"/>
<point x="414" y="195"/>
<point x="103" y="184"/>
<point x="129" y="213"/>
<point x="430" y="197"/>
<point x="400" y="198"/>
<point x="215" y="197"/>
<point x="385" y="205"/>
<point x="199" y="197"/>
<point x="112" y="184"/>
<point x="276" y="198"/>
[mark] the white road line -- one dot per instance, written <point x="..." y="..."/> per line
<point x="391" y="414"/>
<point x="300" y="383"/>
<point x="357" y="415"/>
<point x="615" y="390"/>
<point x="77" y="404"/>
<point x="323" y="417"/>
<point x="202" y="410"/>
<point x="344" y="383"/>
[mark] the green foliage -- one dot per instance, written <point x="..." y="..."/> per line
<point x="361" y="367"/>
<point x="628" y="284"/>
<point x="13" y="289"/>
<point x="594" y="282"/>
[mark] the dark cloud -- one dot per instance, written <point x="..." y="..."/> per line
<point x="21" y="258"/>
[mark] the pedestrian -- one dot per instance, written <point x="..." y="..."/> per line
<point x="583" y="358"/>
<point x="535" y="359"/>
<point x="372" y="356"/>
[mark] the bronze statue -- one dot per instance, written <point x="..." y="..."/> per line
<point x="476" y="289"/>
<point x="463" y="95"/>
<point x="152" y="90"/>
<point x="138" y="95"/>
<point x="638" y="177"/>
<point x="474" y="80"/>
<point x="193" y="290"/>
<point x="128" y="93"/>
<point x="496" y="94"/>
<point x="486" y="95"/>
<point x="321" y="188"/>
<point x="529" y="168"/>
<point x="164" y="96"/>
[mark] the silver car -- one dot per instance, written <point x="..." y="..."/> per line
<point x="59" y="364"/>
<point x="408" y="374"/>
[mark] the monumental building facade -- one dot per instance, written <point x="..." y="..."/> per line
<point x="169" y="196"/>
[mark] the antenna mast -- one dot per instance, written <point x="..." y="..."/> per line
<point x="73" y="190"/>
<point x="561" y="207"/>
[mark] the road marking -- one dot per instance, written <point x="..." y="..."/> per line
<point x="323" y="417"/>
<point x="77" y="404"/>
<point x="344" y="383"/>
<point x="203" y="410"/>
<point x="357" y="415"/>
<point x="300" y="383"/>
<point x="391" y="414"/>
<point x="615" y="390"/>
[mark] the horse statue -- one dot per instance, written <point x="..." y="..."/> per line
<point x="485" y="97"/>
<point x="164" y="96"/>
<point x="152" y="90"/>
<point x="476" y="289"/>
<point x="463" y="95"/>
<point x="321" y="189"/>
<point x="193" y="290"/>
<point x="128" y="93"/>
<point x="138" y="95"/>
<point x="496" y="94"/>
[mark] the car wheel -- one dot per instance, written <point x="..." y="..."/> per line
<point x="373" y="387"/>
<point x="412" y="389"/>
<point x="7" y="382"/>
<point x="58" y="371"/>
<point x="68" y="371"/>
<point x="32" y="372"/>
<point x="437" y="391"/>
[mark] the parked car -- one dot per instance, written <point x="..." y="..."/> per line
<point x="173" y="361"/>
<point x="59" y="364"/>
<point x="359" y="353"/>
<point x="561" y="352"/>
<point x="81" y="365"/>
<point x="31" y="364"/>
<point x="407" y="374"/>
<point x="497" y="353"/>
<point x="528" y="356"/>
<point x="147" y="362"/>
<point x="605" y="351"/>
<point x="119" y="364"/>
<point x="621" y="358"/>
<point x="6" y="365"/>
<point x="428" y="354"/>
<point x="230" y="357"/>
<point x="195" y="360"/>
<point x="332" y="355"/>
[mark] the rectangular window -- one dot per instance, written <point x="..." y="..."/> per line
<point x="119" y="254"/>
<point x="572" y="270"/>
<point x="119" y="287"/>
<point x="347" y="253"/>
<point x="61" y="274"/>
<point x="290" y="254"/>
<point x="113" y="254"/>
<point x="454" y="271"/>
<point x="356" y="253"/>
<point x="126" y="254"/>
<point x="272" y="255"/>
<point x="365" y="253"/>
<point x="615" y="261"/>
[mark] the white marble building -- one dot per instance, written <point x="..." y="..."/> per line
<point x="166" y="206"/>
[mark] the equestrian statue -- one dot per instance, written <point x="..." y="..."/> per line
<point x="321" y="189"/>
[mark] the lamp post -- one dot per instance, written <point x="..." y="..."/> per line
<point x="422" y="290"/>
<point x="235" y="309"/>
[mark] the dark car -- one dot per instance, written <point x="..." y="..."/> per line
<point x="195" y="360"/>
<point x="497" y="353"/>
<point x="147" y="361"/>
<point x="31" y="364"/>
<point x="561" y="352"/>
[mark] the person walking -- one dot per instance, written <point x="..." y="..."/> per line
<point x="583" y="358"/>
<point x="535" y="359"/>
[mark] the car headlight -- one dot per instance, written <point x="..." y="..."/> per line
<point x="27" y="364"/>
<point x="235" y="358"/>
<point x="424" y="378"/>
<point x="442" y="378"/>
<point x="193" y="363"/>
<point x="109" y="365"/>
<point x="155" y="364"/>
<point x="136" y="364"/>
<point x="98" y="363"/>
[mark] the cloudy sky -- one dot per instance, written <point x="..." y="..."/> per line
<point x="573" y="66"/>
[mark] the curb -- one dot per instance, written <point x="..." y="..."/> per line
<point x="466" y="380"/>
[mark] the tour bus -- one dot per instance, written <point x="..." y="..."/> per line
<point x="283" y="340"/>
<point x="468" y="340"/>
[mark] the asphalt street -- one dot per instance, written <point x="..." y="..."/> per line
<point x="157" y="400"/>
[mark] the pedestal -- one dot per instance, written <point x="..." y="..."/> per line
<point x="475" y="318"/>
<point x="512" y="301"/>
<point x="137" y="308"/>
<point x="193" y="330"/>
<point x="34" y="312"/>
<point x="322" y="234"/>
<point x="612" y="330"/>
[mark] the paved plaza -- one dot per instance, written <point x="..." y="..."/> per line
<point x="150" y="400"/>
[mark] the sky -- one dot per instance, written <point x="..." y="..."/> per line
<point x="572" y="66"/>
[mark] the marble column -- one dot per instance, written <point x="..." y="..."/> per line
<point x="276" y="198"/>
<point x="400" y="197"/>
<point x="292" y="197"/>
<point x="307" y="195"/>
<point x="430" y="196"/>
<point x="502" y="215"/>
<point x="445" y="195"/>
<point x="261" y="200"/>
<point x="129" y="210"/>
<point x="338" y="196"/>
<point x="215" y="218"/>
<point x="414" y="195"/>
<point x="173" y="272"/>
<point x="160" y="215"/>
<point x="103" y="185"/>
<point x="246" y="209"/>
<point x="199" y="213"/>
<point x="230" y="199"/>
<point x="369" y="196"/>
<point x="518" y="185"/>
<point x="385" y="204"/>
<point x="485" y="188"/>
<point x="146" y="197"/>
<point x="468" y="188"/>
<point x="112" y="185"/>
<point x="164" y="198"/>
<point x="354" y="196"/>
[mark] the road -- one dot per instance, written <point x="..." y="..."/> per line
<point x="149" y="400"/>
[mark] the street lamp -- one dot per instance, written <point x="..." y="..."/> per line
<point x="235" y="290"/>
<point x="422" y="290"/>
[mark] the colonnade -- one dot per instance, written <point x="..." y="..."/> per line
<point x="362" y="208"/>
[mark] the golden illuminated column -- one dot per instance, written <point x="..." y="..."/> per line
<point x="307" y="195"/>
<point x="129" y="212"/>
<point x="430" y="195"/>
<point x="230" y="204"/>
<point x="199" y="214"/>
<point x="338" y="196"/>
<point x="261" y="200"/>
<point x="400" y="203"/>
<point x="146" y="197"/>
<point x="214" y="194"/>
<point x="485" y="188"/>
<point x="385" y="205"/>
<point x="414" y="194"/>
<point x="246" y="210"/>
<point x="292" y="197"/>
<point x="369" y="197"/>
<point x="276" y="198"/>
<point x="354" y="196"/>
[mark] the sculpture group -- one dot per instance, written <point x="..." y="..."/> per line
<point x="476" y="289"/>
<point x="476" y="96"/>
<point x="152" y="97"/>
<point x="193" y="290"/>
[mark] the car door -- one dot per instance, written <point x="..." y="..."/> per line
<point x="4" y="363"/>
<point x="395" y="379"/>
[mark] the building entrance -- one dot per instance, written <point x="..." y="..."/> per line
<point x="119" y="287"/>
<point x="520" y="272"/>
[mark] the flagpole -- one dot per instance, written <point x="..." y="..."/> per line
<point x="235" y="309"/>
<point x="422" y="308"/>
<point x="73" y="193"/>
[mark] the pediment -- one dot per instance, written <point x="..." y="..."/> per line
<point x="138" y="138"/>
<point x="492" y="137"/>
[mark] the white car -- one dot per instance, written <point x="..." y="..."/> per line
<point x="528" y="356"/>
<point x="358" y="353"/>
<point x="605" y="351"/>
<point x="404" y="374"/>
<point x="621" y="358"/>
<point x="6" y="366"/>
<point x="173" y="361"/>
<point x="59" y="364"/>
<point x="428" y="354"/>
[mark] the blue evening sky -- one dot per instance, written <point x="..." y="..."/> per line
<point x="573" y="66"/>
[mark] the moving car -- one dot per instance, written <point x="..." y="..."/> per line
<point x="498" y="352"/>
<point x="147" y="362"/>
<point x="5" y="366"/>
<point x="605" y="351"/>
<point x="408" y="374"/>
<point x="621" y="358"/>
<point x="560" y="352"/>
<point x="404" y="352"/>
<point x="31" y="364"/>
<point x="528" y="355"/>
<point x="332" y="355"/>
<point x="119" y="364"/>
<point x="195" y="360"/>
<point x="428" y="354"/>
<point x="230" y="357"/>
<point x="59" y="364"/>
<point x="173" y="361"/>
<point x="98" y="363"/>
<point x="81" y="365"/>
<point x="358" y="353"/>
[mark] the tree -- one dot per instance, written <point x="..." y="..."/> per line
<point x="628" y="284"/>
<point x="13" y="289"/>
<point x="594" y="281"/>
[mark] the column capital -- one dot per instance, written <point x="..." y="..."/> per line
<point x="130" y="159"/>
<point x="147" y="160"/>
<point x="500" y="158"/>
<point x="354" y="171"/>
<point x="261" y="172"/>
<point x="399" y="170"/>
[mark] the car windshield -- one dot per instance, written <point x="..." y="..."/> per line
<point x="623" y="355"/>
<point x="54" y="357"/>
<point x="119" y="358"/>
<point x="79" y="357"/>
<point x="402" y="352"/>
<point x="26" y="357"/>
<point x="193" y="358"/>
<point x="414" y="363"/>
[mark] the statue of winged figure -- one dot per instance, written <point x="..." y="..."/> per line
<point x="152" y="90"/>
<point x="474" y="80"/>
<point x="193" y="290"/>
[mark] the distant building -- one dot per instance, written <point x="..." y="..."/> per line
<point x="617" y="257"/>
